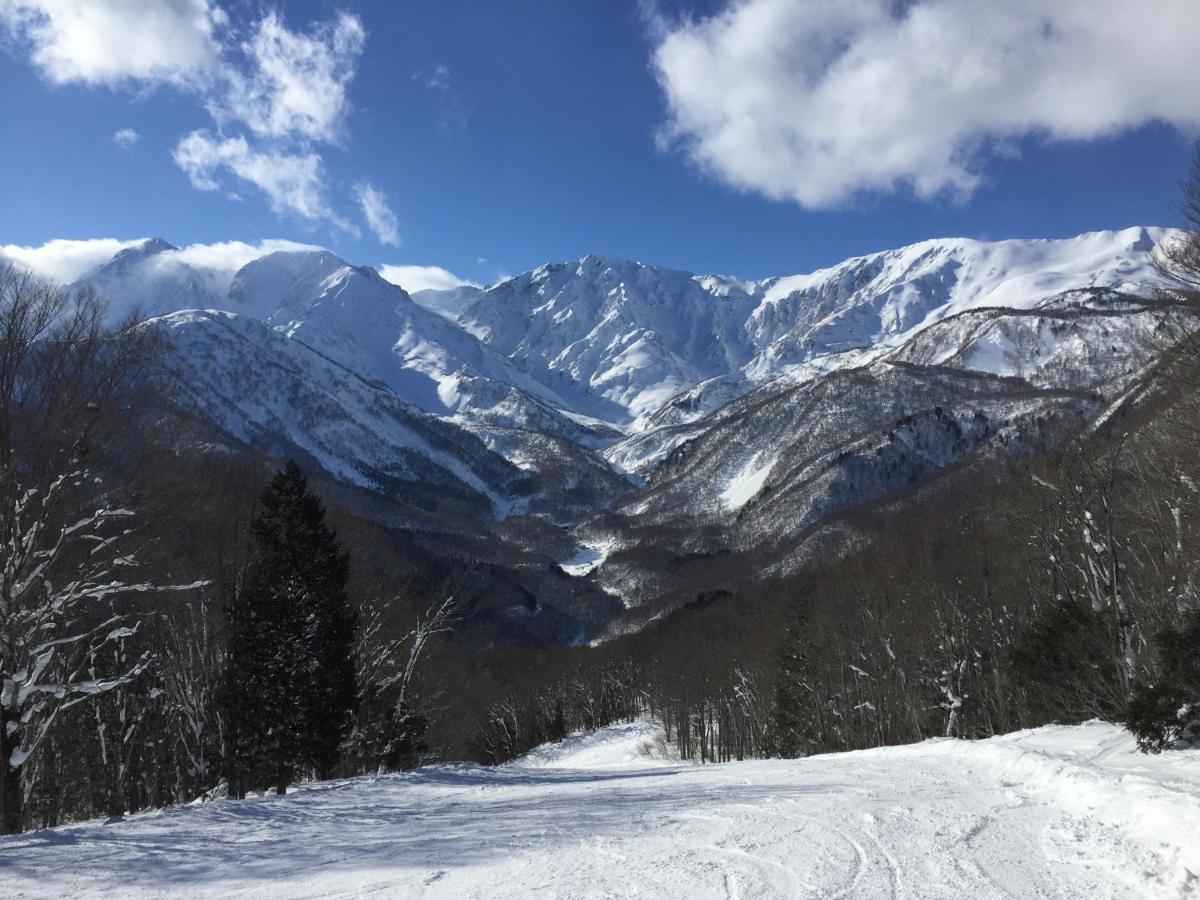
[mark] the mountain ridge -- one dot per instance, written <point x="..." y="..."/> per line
<point x="657" y="415"/>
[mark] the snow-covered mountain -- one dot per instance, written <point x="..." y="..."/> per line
<point x="303" y="352"/>
<point x="150" y="278"/>
<point x="654" y="408"/>
<point x="621" y="339"/>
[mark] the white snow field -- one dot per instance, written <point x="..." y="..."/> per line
<point x="1053" y="812"/>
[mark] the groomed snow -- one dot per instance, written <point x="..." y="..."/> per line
<point x="589" y="557"/>
<point x="629" y="745"/>
<point x="1055" y="812"/>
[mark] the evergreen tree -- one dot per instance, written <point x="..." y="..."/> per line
<point x="290" y="690"/>
<point x="1167" y="711"/>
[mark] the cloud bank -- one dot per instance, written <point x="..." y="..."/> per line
<point x="423" y="278"/>
<point x="65" y="261"/>
<point x="819" y="102"/>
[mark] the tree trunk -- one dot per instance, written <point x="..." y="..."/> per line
<point x="10" y="792"/>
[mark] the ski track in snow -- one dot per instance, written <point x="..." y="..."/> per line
<point x="1053" y="812"/>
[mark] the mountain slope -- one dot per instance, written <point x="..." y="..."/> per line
<point x="669" y="420"/>
<point x="625" y="342"/>
<point x="620" y="338"/>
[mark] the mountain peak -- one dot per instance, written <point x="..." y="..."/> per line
<point x="371" y="274"/>
<point x="280" y="279"/>
<point x="156" y="245"/>
<point x="138" y="252"/>
<point x="595" y="260"/>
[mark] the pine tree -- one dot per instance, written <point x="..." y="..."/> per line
<point x="290" y="690"/>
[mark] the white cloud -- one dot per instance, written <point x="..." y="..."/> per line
<point x="293" y="96"/>
<point x="437" y="80"/>
<point x="287" y="88"/>
<point x="816" y="102"/>
<point x="65" y="261"/>
<point x="279" y="83"/>
<point x="109" y="42"/>
<point x="125" y="138"/>
<point x="297" y="83"/>
<point x="229" y="256"/>
<point x="292" y="182"/>
<point x="380" y="218"/>
<point x="423" y="278"/>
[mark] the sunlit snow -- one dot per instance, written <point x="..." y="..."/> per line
<point x="588" y="558"/>
<point x="747" y="482"/>
<point x="1063" y="811"/>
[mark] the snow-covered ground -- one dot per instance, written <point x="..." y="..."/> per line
<point x="1054" y="812"/>
<point x="749" y="480"/>
<point x="590" y="555"/>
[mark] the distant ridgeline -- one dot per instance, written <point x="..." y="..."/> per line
<point x="651" y="424"/>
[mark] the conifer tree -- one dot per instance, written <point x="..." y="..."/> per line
<point x="1166" y="711"/>
<point x="290" y="690"/>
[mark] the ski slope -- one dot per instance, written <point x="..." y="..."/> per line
<point x="1054" y="812"/>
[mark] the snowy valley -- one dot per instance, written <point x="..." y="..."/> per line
<point x="630" y="419"/>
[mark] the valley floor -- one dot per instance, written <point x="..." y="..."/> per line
<point x="1054" y="812"/>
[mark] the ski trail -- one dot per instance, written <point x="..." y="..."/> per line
<point x="1059" y="812"/>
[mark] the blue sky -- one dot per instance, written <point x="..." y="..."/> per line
<point x="504" y="135"/>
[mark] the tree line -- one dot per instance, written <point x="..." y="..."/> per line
<point x="1057" y="588"/>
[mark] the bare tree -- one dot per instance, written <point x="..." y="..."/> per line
<point x="1179" y="259"/>
<point x="64" y="381"/>
<point x="387" y="667"/>
<point x="190" y="658"/>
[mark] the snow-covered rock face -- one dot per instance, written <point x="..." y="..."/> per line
<point x="621" y="340"/>
<point x="723" y="413"/>
<point x="633" y="347"/>
<point x="278" y="283"/>
<point x="885" y="297"/>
